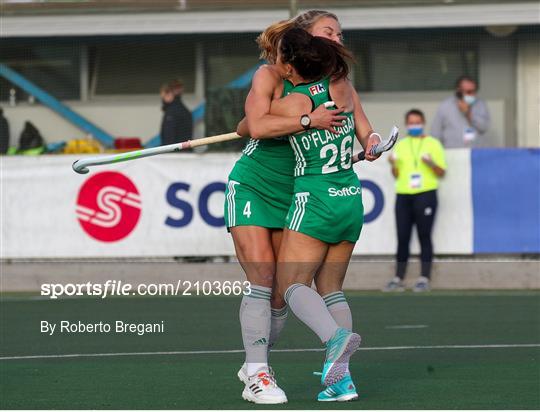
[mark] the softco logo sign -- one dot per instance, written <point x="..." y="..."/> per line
<point x="108" y="206"/>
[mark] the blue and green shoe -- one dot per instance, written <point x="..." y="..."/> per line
<point x="342" y="391"/>
<point x="339" y="349"/>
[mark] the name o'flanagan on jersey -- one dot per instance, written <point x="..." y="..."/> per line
<point x="318" y="138"/>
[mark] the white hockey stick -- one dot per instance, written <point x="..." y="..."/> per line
<point x="81" y="165"/>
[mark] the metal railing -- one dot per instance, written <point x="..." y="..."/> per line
<point x="14" y="7"/>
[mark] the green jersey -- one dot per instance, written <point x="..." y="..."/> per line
<point x="321" y="151"/>
<point x="327" y="194"/>
<point x="260" y="187"/>
<point x="273" y="153"/>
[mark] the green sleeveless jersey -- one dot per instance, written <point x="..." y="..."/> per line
<point x="320" y="152"/>
<point x="261" y="184"/>
<point x="327" y="194"/>
<point x="274" y="153"/>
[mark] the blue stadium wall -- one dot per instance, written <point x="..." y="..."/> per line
<point x="506" y="200"/>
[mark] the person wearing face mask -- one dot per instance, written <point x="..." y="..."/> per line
<point x="463" y="119"/>
<point x="418" y="162"/>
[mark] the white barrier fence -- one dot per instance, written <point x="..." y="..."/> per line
<point x="173" y="206"/>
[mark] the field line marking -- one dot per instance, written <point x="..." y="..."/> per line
<point x="406" y="326"/>
<point x="216" y="352"/>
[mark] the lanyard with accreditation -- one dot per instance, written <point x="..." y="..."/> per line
<point x="415" y="180"/>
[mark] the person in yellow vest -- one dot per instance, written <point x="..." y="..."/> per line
<point x="418" y="163"/>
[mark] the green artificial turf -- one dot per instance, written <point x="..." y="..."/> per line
<point x="394" y="369"/>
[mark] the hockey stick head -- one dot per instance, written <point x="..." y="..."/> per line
<point x="388" y="143"/>
<point x="380" y="147"/>
<point x="79" y="168"/>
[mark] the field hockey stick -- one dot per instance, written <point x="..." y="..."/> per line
<point x="81" y="165"/>
<point x="380" y="147"/>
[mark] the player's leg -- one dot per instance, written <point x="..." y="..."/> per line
<point x="278" y="306"/>
<point x="425" y="209"/>
<point x="329" y="282"/>
<point x="253" y="245"/>
<point x="254" y="251"/>
<point x="404" y="222"/>
<point x="298" y="261"/>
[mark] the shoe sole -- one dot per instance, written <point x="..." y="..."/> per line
<point x="348" y="397"/>
<point x="248" y="396"/>
<point x="339" y="368"/>
<point x="343" y="398"/>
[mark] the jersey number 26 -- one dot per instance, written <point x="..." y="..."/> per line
<point x="345" y="156"/>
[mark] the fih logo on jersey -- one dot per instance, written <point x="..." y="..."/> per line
<point x="108" y="206"/>
<point x="316" y="89"/>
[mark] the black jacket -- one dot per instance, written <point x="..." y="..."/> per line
<point x="177" y="123"/>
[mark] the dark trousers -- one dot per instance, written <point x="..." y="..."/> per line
<point x="416" y="210"/>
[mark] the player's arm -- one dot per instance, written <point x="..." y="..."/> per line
<point x="364" y="131"/>
<point x="262" y="124"/>
<point x="295" y="104"/>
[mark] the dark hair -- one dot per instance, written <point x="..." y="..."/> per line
<point x="465" y="78"/>
<point x="314" y="57"/>
<point x="416" y="112"/>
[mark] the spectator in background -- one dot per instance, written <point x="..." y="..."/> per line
<point x="30" y="142"/>
<point x="463" y="119"/>
<point x="4" y="133"/>
<point x="177" y="123"/>
<point x="418" y="163"/>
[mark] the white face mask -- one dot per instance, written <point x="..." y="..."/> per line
<point x="469" y="99"/>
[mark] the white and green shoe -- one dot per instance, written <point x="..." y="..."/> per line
<point x="339" y="350"/>
<point x="342" y="391"/>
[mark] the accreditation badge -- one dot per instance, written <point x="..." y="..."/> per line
<point x="415" y="181"/>
<point x="469" y="135"/>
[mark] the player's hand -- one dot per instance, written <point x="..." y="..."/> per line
<point x="242" y="128"/>
<point x="373" y="140"/>
<point x="322" y="118"/>
<point x="392" y="159"/>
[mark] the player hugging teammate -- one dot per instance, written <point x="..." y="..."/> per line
<point x="293" y="202"/>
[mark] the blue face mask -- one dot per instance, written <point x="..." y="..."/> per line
<point x="469" y="99"/>
<point x="415" y="130"/>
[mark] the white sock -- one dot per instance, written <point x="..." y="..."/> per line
<point x="309" y="307"/>
<point x="279" y="317"/>
<point x="255" y="324"/>
<point x="339" y="309"/>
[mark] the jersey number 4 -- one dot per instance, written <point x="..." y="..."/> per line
<point x="247" y="209"/>
<point x="345" y="155"/>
